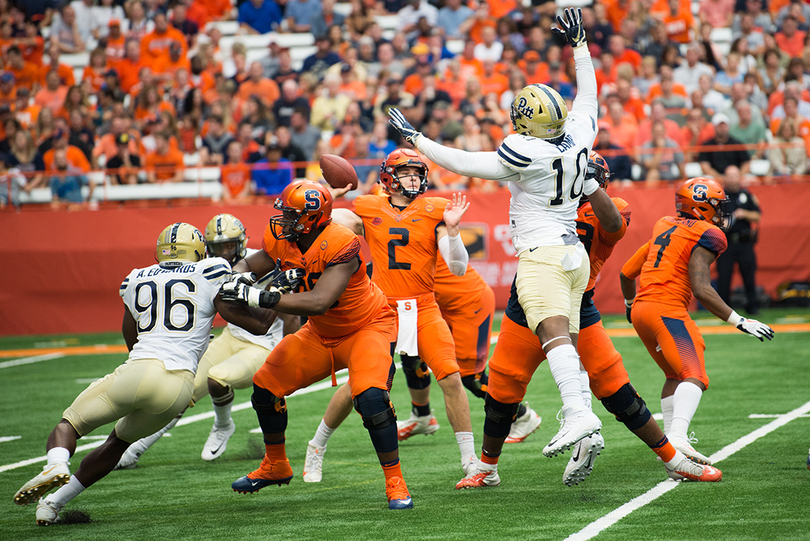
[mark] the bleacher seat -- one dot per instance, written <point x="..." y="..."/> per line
<point x="204" y="174"/>
<point x="226" y="28"/>
<point x="190" y="160"/>
<point x="721" y="35"/>
<point x="573" y="3"/>
<point x="760" y="168"/>
<point x="387" y="22"/>
<point x="79" y="60"/>
<point x="692" y="169"/>
<point x="344" y="9"/>
<point x="455" y="46"/>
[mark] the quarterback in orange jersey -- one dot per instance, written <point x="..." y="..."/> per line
<point x="350" y="326"/>
<point x="518" y="353"/>
<point x="672" y="266"/>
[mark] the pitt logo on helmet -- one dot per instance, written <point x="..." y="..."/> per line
<point x="178" y="243"/>
<point x="539" y="111"/>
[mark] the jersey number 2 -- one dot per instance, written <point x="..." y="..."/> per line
<point x="662" y="240"/>
<point x="169" y="303"/>
<point x="404" y="238"/>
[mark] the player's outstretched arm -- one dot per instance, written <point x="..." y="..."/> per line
<point x="327" y="290"/>
<point x="571" y="28"/>
<point x="610" y="219"/>
<point x="258" y="263"/>
<point x="349" y="219"/>
<point x="700" y="279"/>
<point x="629" y="293"/>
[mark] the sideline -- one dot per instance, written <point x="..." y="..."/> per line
<point x="594" y="528"/>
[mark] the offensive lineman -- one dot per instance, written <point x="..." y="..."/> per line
<point x="231" y="358"/>
<point x="169" y="310"/>
<point x="545" y="162"/>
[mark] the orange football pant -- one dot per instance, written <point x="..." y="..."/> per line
<point x="471" y="327"/>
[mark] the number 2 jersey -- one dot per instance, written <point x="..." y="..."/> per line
<point x="361" y="301"/>
<point x="173" y="308"/>
<point x="403" y="243"/>
<point x="662" y="264"/>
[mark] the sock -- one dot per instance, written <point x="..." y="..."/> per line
<point x="322" y="435"/>
<point x="275" y="451"/>
<point x="140" y="446"/>
<point x="466" y="445"/>
<point x="675" y="460"/>
<point x="664" y="449"/>
<point x="58" y="455"/>
<point x="420" y="410"/>
<point x="67" y="492"/>
<point x="489" y="460"/>
<point x="666" y="411"/>
<point x="521" y="411"/>
<point x="564" y="364"/>
<point x="222" y="409"/>
<point x="585" y="386"/>
<point x="391" y="469"/>
<point x="684" y="405"/>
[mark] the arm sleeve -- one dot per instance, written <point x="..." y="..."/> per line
<point x="484" y="165"/>
<point x="454" y="254"/>
<point x="586" y="100"/>
<point x="632" y="267"/>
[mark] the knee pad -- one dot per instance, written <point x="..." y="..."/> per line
<point x="499" y="417"/>
<point x="628" y="407"/>
<point x="476" y="383"/>
<point x="374" y="406"/>
<point x="416" y="372"/>
<point x="266" y="402"/>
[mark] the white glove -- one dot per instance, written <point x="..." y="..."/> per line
<point x="237" y="291"/>
<point x="751" y="326"/>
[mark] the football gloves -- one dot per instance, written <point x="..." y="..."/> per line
<point x="755" y="328"/>
<point x="287" y="281"/>
<point x="405" y="129"/>
<point x="628" y="308"/>
<point x="570" y="27"/>
<point x="237" y="291"/>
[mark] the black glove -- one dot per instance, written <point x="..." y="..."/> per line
<point x="571" y="27"/>
<point x="405" y="129"/>
<point x="237" y="291"/>
<point x="287" y="281"/>
<point x="628" y="308"/>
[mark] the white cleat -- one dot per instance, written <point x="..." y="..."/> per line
<point x="426" y="424"/>
<point x="584" y="455"/>
<point x="575" y="425"/>
<point x="684" y="444"/>
<point x="47" y="512"/>
<point x="470" y="465"/>
<point x="52" y="476"/>
<point x="688" y="470"/>
<point x="313" y="465"/>
<point x="481" y="475"/>
<point x="217" y="441"/>
<point x="523" y="426"/>
<point x="128" y="460"/>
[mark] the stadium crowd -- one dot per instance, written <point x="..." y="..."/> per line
<point x="158" y="94"/>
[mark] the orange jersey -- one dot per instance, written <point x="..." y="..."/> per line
<point x="454" y="292"/>
<point x="597" y="241"/>
<point x="663" y="263"/>
<point x="403" y="243"/>
<point x="361" y="302"/>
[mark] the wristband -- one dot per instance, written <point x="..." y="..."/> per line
<point x="590" y="186"/>
<point x="735" y="318"/>
<point x="629" y="304"/>
<point x="267" y="299"/>
<point x="254" y="297"/>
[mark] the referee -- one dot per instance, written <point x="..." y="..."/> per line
<point x="744" y="212"/>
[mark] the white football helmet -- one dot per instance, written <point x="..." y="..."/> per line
<point x="539" y="110"/>
<point x="179" y="243"/>
<point x="225" y="237"/>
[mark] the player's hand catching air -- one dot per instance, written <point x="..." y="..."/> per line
<point x="287" y="281"/>
<point x="405" y="129"/>
<point x="755" y="328"/>
<point x="571" y="27"/>
<point x="455" y="210"/>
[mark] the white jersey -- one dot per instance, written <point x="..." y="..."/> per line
<point x="174" y="310"/>
<point x="543" y="208"/>
<point x="276" y="331"/>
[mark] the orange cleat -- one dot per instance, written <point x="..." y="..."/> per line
<point x="277" y="472"/>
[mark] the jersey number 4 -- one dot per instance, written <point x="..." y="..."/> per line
<point x="662" y="240"/>
<point x="163" y="310"/>
<point x="576" y="191"/>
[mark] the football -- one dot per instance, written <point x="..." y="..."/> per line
<point x="337" y="171"/>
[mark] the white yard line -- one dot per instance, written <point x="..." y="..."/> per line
<point x="30" y="360"/>
<point x="593" y="529"/>
<point x="9" y="438"/>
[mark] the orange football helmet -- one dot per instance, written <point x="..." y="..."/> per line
<point x="702" y="198"/>
<point x="403" y="157"/>
<point x="598" y="170"/>
<point x="304" y="205"/>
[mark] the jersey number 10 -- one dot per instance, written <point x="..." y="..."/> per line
<point x="576" y="188"/>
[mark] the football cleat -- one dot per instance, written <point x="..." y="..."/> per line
<point x="313" y="465"/>
<point x="217" y="441"/>
<point x="688" y="470"/>
<point x="128" y="460"/>
<point x="483" y="475"/>
<point x="52" y="476"/>
<point x="397" y="492"/>
<point x="524" y="426"/>
<point x="278" y="472"/>
<point x="584" y="455"/>
<point x="574" y="425"/>
<point x="47" y="512"/>
<point x="684" y="445"/>
<point x="426" y="424"/>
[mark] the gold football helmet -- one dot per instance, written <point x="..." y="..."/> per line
<point x="539" y="111"/>
<point x="225" y="237"/>
<point x="179" y="243"/>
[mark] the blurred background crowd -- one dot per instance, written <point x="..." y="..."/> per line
<point x="142" y="92"/>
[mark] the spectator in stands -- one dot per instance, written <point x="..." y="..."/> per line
<point x="380" y="145"/>
<point x="329" y="108"/>
<point x="761" y="19"/>
<point x="620" y="165"/>
<point x="455" y="19"/>
<point x="25" y="157"/>
<point x="65" y="72"/>
<point x="298" y="13"/>
<point x="272" y="173"/>
<point x="290" y="150"/>
<point x="124" y="163"/>
<point x="254" y="111"/>
<point x="787" y="155"/>
<point x="660" y="157"/>
<point x="215" y="142"/>
<point x="251" y="151"/>
<point x="789" y="38"/>
<point x="26" y="74"/>
<point x="718" y="13"/>
<point x="11" y="127"/>
<point x="258" y="85"/>
<point x="708" y="55"/>
<point x="59" y="142"/>
<point x="139" y="24"/>
<point x="157" y="43"/>
<point x="68" y="179"/>
<point x="597" y="27"/>
<point x="189" y="28"/>
<point x="730" y="75"/>
<point x="167" y="66"/>
<point x="689" y="72"/>
<point x="748" y="62"/>
<point x="473" y="102"/>
<point x="793" y="89"/>
<point x="801" y="122"/>
<point x="11" y="182"/>
<point x="165" y="164"/>
<point x="102" y="15"/>
<point x="489" y="48"/>
<point x="745" y="130"/>
<point x="773" y="71"/>
<point x="679" y="22"/>
<point x="647" y="76"/>
<point x="259" y="16"/>
<point x="621" y="54"/>
<point x="93" y="74"/>
<point x="713" y="100"/>
<point x="323" y="57"/>
<point x="658" y="113"/>
<point x="745" y="28"/>
<point x="236" y="183"/>
<point x="412" y="11"/>
<point x="107" y="145"/>
<point x="696" y="132"/>
<point x="623" y="125"/>
<point x="712" y="161"/>
<point x="25" y="111"/>
<point x="324" y="17"/>
<point x="302" y="134"/>
<point x="52" y="95"/>
<point x="670" y="94"/>
<point x="81" y="136"/>
<point x="65" y="31"/>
